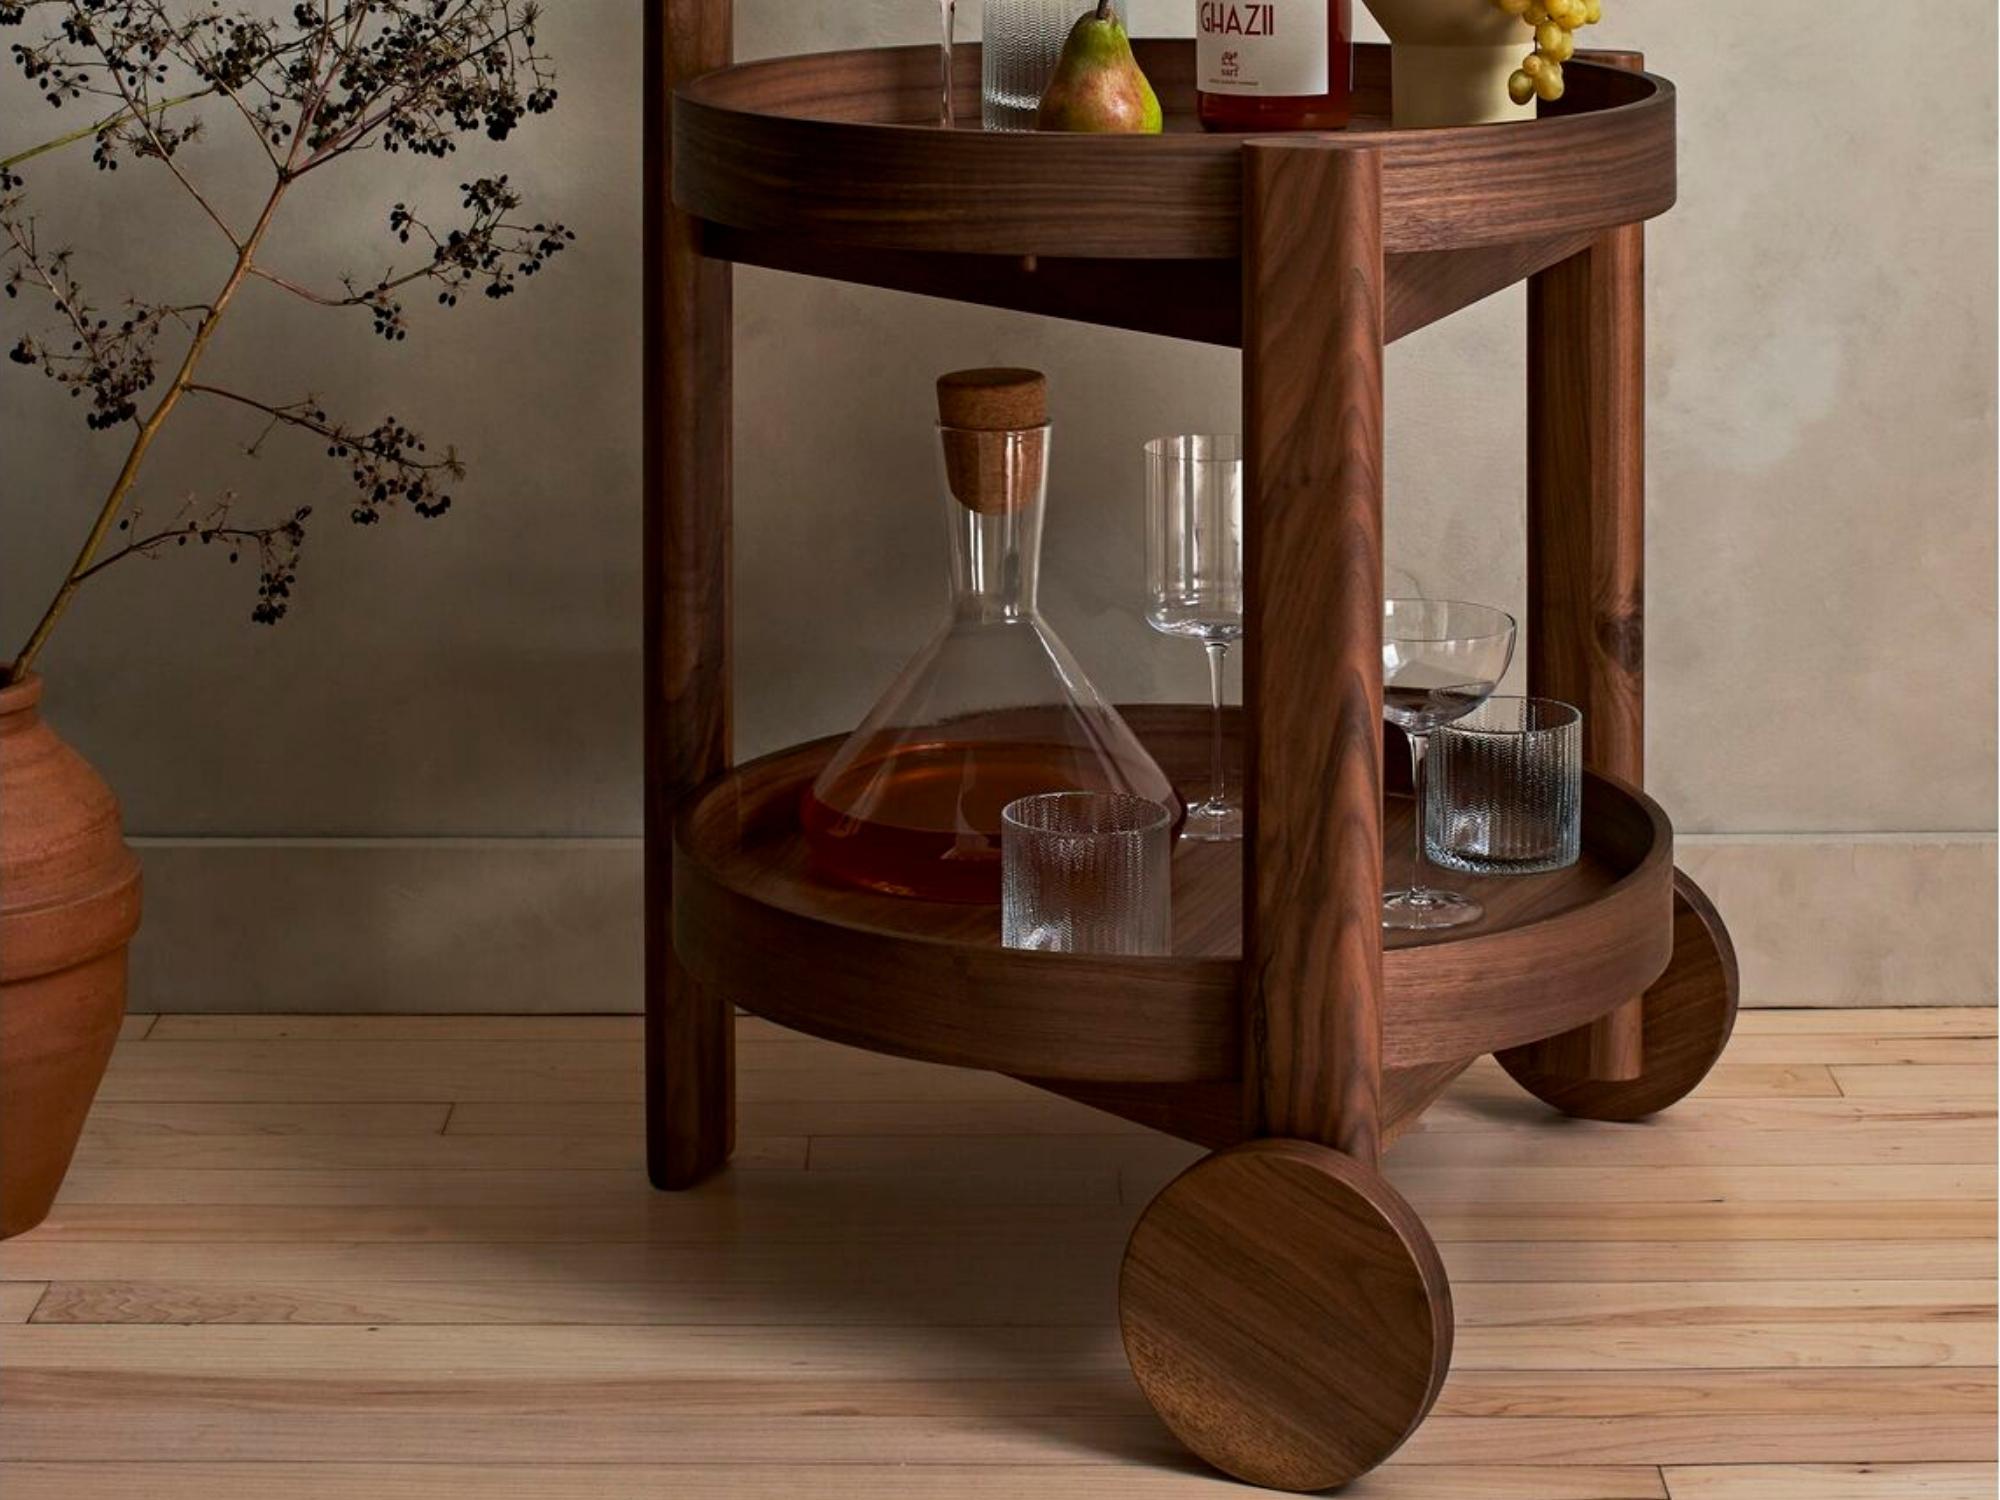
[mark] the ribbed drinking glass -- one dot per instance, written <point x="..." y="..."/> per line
<point x="1086" y="872"/>
<point x="1506" y="789"/>
<point x="1020" y="41"/>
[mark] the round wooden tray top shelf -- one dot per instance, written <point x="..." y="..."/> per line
<point x="931" y="981"/>
<point x="842" y="148"/>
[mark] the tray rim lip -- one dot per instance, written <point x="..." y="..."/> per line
<point x="702" y="90"/>
<point x="1660" y="846"/>
<point x="772" y="192"/>
<point x="1402" y="1025"/>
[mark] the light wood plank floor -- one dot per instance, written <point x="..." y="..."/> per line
<point x="390" y="1257"/>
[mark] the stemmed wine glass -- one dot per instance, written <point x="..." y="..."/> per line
<point x="1441" y="659"/>
<point x="947" y="14"/>
<point x="1194" y="557"/>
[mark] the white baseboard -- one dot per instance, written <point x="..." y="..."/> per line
<point x="389" y="925"/>
<point x="551" y="925"/>
<point x="1880" y="919"/>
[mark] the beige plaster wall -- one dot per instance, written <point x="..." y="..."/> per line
<point x="1822" y="467"/>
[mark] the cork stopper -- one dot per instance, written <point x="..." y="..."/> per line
<point x="993" y="400"/>
<point x="990" y="469"/>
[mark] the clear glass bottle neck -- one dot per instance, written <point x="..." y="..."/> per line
<point x="995" y="485"/>
<point x="996" y="561"/>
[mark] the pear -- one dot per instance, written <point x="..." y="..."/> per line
<point x="1097" y="84"/>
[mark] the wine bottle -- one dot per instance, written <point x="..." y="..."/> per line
<point x="1274" y="64"/>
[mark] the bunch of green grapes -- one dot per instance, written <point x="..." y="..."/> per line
<point x="1556" y="23"/>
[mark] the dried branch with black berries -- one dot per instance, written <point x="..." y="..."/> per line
<point x="305" y="89"/>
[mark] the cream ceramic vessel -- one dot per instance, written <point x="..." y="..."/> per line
<point x="1451" y="60"/>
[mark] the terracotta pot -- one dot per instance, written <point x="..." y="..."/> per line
<point x="69" y="903"/>
<point x="1450" y="60"/>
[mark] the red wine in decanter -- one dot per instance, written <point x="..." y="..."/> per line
<point x="924" y="820"/>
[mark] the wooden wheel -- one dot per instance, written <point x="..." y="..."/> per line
<point x="1689" y="1012"/>
<point x="1286" y="1314"/>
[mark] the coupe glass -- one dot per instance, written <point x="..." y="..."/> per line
<point x="1194" y="565"/>
<point x="1441" y="659"/>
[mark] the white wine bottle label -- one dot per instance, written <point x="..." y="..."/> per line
<point x="1276" y="47"/>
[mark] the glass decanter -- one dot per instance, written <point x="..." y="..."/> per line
<point x="994" y="707"/>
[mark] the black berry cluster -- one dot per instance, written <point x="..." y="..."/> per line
<point x="320" y="81"/>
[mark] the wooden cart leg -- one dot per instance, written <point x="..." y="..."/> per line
<point x="1283" y="1308"/>
<point x="1314" y="297"/>
<point x="1587" y="547"/>
<point x="690" y="1034"/>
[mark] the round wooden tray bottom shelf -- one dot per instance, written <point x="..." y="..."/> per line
<point x="753" y="921"/>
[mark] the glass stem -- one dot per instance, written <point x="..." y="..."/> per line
<point x="948" y="14"/>
<point x="1419" y="893"/>
<point x="1217" y="651"/>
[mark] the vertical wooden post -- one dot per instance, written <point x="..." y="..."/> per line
<point x="690" y="1035"/>
<point x="1587" y="493"/>
<point x="1314" y="297"/>
<point x="1587" y="548"/>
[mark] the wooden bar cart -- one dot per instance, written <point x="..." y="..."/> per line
<point x="1284" y="1309"/>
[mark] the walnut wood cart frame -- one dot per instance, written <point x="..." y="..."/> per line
<point x="1284" y="1309"/>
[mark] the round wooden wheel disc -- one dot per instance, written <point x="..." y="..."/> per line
<point x="1689" y="1013"/>
<point x="1286" y="1314"/>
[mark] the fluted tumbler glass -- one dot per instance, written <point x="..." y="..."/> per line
<point x="1021" y="41"/>
<point x="1506" y="789"/>
<point x="1086" y="872"/>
